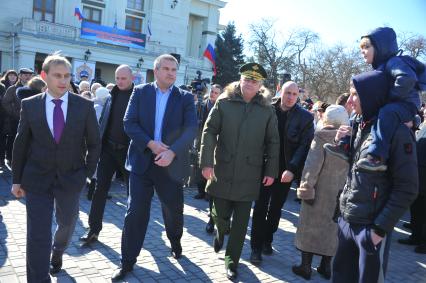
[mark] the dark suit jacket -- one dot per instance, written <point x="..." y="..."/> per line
<point x="37" y="159"/>
<point x="178" y="132"/>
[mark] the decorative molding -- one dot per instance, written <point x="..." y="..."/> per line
<point x="209" y="33"/>
<point x="135" y="13"/>
<point x="94" y="3"/>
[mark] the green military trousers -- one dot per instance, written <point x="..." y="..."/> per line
<point x="240" y="211"/>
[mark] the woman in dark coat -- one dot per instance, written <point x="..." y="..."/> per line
<point x="9" y="78"/>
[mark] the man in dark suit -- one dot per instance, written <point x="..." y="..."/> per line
<point x="56" y="148"/>
<point x="161" y="122"/>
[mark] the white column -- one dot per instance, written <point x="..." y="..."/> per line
<point x="25" y="59"/>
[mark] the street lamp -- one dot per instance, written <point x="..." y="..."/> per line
<point x="13" y="35"/>
<point x="140" y="62"/>
<point x="87" y="55"/>
<point x="174" y="3"/>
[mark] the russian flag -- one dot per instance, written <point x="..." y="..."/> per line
<point x="211" y="56"/>
<point x="78" y="13"/>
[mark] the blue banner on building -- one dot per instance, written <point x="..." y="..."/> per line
<point x="112" y="35"/>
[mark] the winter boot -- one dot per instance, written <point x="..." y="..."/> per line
<point x="304" y="269"/>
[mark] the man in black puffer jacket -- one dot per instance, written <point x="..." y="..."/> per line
<point x="296" y="129"/>
<point x="372" y="203"/>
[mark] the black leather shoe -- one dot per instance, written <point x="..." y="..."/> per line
<point x="210" y="227"/>
<point x="89" y="237"/>
<point x="231" y="274"/>
<point x="120" y="273"/>
<point x="267" y="249"/>
<point x="408" y="226"/>
<point x="421" y="249"/>
<point x="217" y="242"/>
<point x="176" y="250"/>
<point x="256" y="256"/>
<point x="409" y="241"/>
<point x="55" y="263"/>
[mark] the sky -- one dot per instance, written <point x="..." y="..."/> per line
<point x="334" y="21"/>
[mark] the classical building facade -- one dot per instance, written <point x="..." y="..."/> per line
<point x="112" y="32"/>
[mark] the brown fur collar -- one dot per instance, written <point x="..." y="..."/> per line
<point x="233" y="91"/>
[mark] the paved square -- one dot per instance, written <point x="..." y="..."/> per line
<point x="199" y="262"/>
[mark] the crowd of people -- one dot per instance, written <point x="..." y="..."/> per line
<point x="355" y="163"/>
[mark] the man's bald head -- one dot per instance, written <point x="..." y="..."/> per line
<point x="123" y="77"/>
<point x="289" y="95"/>
<point x="290" y="84"/>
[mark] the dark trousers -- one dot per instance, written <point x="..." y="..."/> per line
<point x="357" y="259"/>
<point x="10" y="137"/>
<point x="111" y="160"/>
<point x="418" y="219"/>
<point x="267" y="213"/>
<point x="137" y="216"/>
<point x="3" y="138"/>
<point x="240" y="211"/>
<point x="40" y="207"/>
<point x="390" y="116"/>
<point x="201" y="183"/>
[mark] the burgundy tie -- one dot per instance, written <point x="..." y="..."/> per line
<point x="58" y="120"/>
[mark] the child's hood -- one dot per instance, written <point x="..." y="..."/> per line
<point x="372" y="88"/>
<point x="385" y="45"/>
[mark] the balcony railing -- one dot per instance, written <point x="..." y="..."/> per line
<point x="49" y="29"/>
<point x="60" y="31"/>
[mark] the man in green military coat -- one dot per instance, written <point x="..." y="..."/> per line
<point x="239" y="150"/>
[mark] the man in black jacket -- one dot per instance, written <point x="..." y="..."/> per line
<point x="296" y="129"/>
<point x="115" y="143"/>
<point x="371" y="204"/>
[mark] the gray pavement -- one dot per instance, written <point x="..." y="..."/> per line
<point x="199" y="262"/>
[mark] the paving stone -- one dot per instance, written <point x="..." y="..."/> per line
<point x="199" y="263"/>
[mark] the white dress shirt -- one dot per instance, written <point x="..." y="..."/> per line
<point x="50" y="106"/>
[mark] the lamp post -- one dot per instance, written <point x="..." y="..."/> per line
<point x="87" y="55"/>
<point x="13" y="34"/>
<point x="139" y="64"/>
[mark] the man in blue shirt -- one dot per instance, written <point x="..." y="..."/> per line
<point x="161" y="122"/>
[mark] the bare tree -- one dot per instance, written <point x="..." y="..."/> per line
<point x="328" y="71"/>
<point x="271" y="50"/>
<point x="280" y="53"/>
<point x="413" y="44"/>
<point x="303" y="39"/>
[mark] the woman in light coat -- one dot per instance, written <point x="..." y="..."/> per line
<point x="322" y="178"/>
